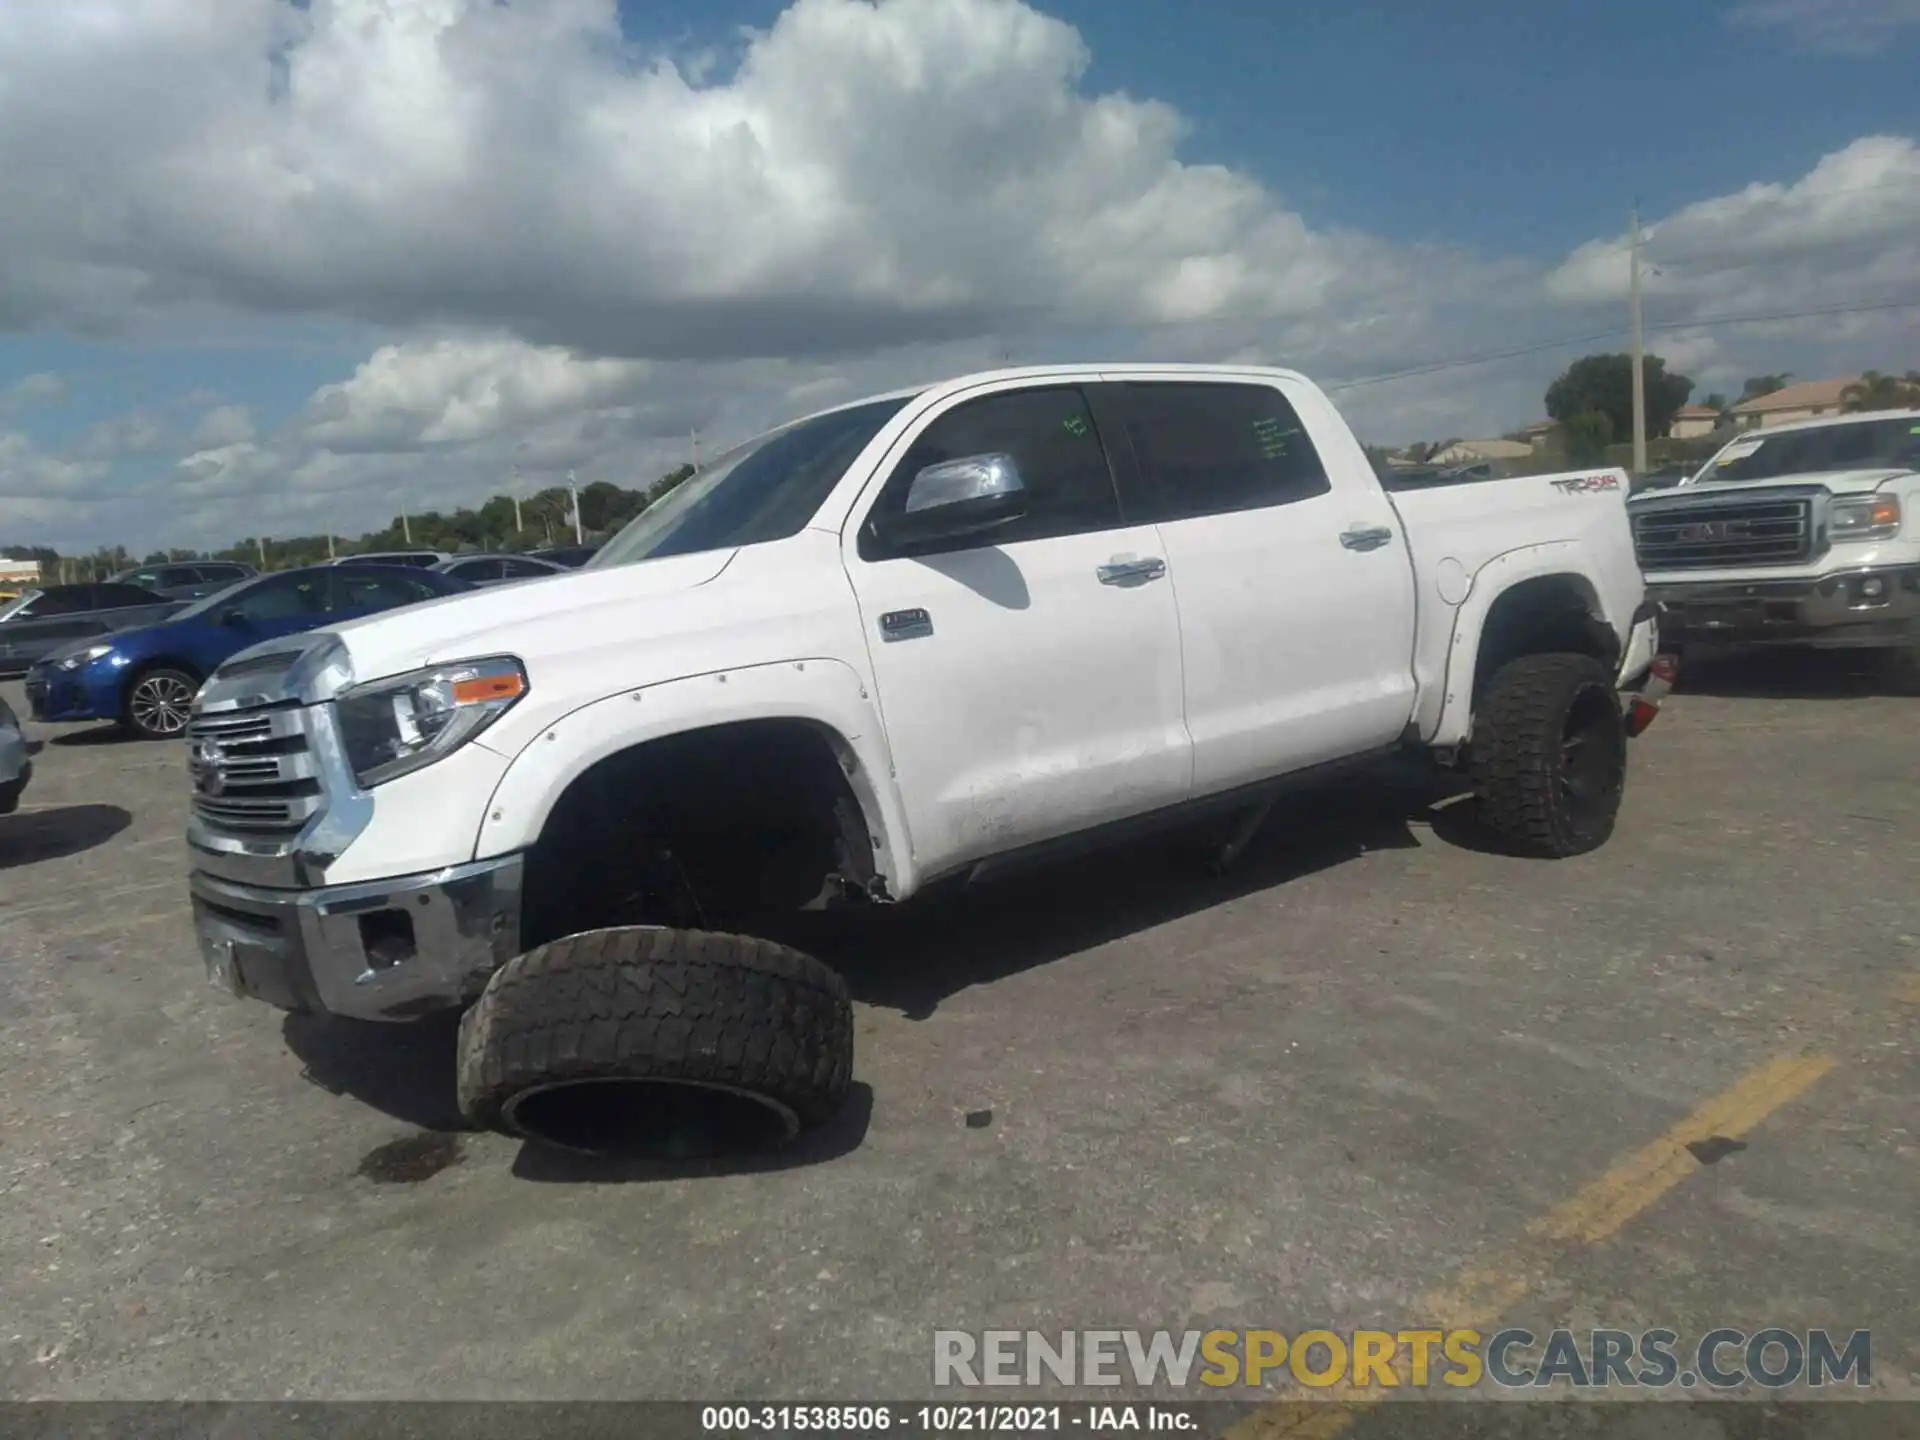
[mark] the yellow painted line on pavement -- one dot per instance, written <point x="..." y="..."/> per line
<point x="1604" y="1205"/>
<point x="1907" y="991"/>
<point x="1478" y="1297"/>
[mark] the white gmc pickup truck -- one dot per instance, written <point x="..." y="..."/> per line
<point x="1803" y="534"/>
<point x="923" y="636"/>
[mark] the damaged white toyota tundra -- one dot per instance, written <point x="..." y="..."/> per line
<point x="917" y="638"/>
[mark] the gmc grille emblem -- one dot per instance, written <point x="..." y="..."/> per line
<point x="1716" y="530"/>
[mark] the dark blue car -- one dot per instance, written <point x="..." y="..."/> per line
<point x="146" y="678"/>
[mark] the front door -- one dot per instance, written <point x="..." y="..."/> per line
<point x="1029" y="677"/>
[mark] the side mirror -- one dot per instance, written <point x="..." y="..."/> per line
<point x="957" y="497"/>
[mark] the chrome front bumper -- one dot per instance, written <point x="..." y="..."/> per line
<point x="1844" y="608"/>
<point x="385" y="950"/>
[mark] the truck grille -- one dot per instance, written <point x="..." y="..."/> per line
<point x="253" y="772"/>
<point x="1723" y="533"/>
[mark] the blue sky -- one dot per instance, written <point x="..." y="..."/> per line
<point x="1502" y="124"/>
<point x="473" y="237"/>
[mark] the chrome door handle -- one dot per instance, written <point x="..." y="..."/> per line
<point x="1366" y="537"/>
<point x="1126" y="572"/>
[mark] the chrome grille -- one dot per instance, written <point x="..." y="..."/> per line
<point x="1722" y="533"/>
<point x="253" y="772"/>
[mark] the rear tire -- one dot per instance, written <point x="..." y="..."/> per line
<point x="647" y="1041"/>
<point x="160" y="702"/>
<point x="1550" y="755"/>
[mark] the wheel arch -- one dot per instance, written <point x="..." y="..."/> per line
<point x="825" y="697"/>
<point x="1524" y="602"/>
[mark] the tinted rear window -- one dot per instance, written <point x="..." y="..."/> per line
<point x="1219" y="449"/>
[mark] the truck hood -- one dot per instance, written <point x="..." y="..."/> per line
<point x="497" y="619"/>
<point x="1839" y="482"/>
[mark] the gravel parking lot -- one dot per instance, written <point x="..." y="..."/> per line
<point x="1374" y="1076"/>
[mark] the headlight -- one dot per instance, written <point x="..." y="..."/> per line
<point x="84" y="657"/>
<point x="393" y="727"/>
<point x="1864" y="517"/>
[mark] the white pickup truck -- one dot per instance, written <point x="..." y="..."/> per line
<point x="1804" y="535"/>
<point x="923" y="636"/>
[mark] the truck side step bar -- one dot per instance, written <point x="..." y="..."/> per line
<point x="1257" y="798"/>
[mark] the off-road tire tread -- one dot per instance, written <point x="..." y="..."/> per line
<point x="1515" y="754"/>
<point x="645" y="1003"/>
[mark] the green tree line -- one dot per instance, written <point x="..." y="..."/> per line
<point x="545" y="518"/>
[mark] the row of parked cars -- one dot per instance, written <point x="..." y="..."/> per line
<point x="135" y="648"/>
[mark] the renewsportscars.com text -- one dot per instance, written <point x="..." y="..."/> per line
<point x="1722" y="1359"/>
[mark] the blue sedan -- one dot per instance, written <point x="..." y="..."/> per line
<point x="146" y="678"/>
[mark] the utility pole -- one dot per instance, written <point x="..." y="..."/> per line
<point x="260" y="543"/>
<point x="696" y="449"/>
<point x="406" y="523"/>
<point x="1639" y="352"/>
<point x="330" y="554"/>
<point x="573" y="491"/>
<point x="518" y="524"/>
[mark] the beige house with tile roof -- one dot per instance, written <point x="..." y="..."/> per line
<point x="1690" y="422"/>
<point x="1808" y="400"/>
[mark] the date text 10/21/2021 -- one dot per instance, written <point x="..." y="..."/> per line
<point x="962" y="1419"/>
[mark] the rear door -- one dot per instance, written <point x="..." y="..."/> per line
<point x="1028" y="688"/>
<point x="1294" y="586"/>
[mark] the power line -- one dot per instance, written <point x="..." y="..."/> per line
<point x="1461" y="362"/>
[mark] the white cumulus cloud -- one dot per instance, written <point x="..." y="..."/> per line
<point x="1844" y="26"/>
<point x="870" y="173"/>
<point x="573" y="252"/>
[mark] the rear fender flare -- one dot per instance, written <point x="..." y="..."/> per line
<point x="1560" y="558"/>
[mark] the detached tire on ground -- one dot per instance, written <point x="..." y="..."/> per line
<point x="657" y="1042"/>
<point x="1550" y="755"/>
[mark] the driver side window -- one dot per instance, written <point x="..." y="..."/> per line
<point x="1051" y="436"/>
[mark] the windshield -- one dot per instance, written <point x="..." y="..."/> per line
<point x="766" y="489"/>
<point x="8" y="608"/>
<point x="1886" y="443"/>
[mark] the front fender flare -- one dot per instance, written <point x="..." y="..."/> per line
<point x="823" y="692"/>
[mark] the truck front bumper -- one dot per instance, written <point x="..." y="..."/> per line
<point x="385" y="950"/>
<point x="1865" y="608"/>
